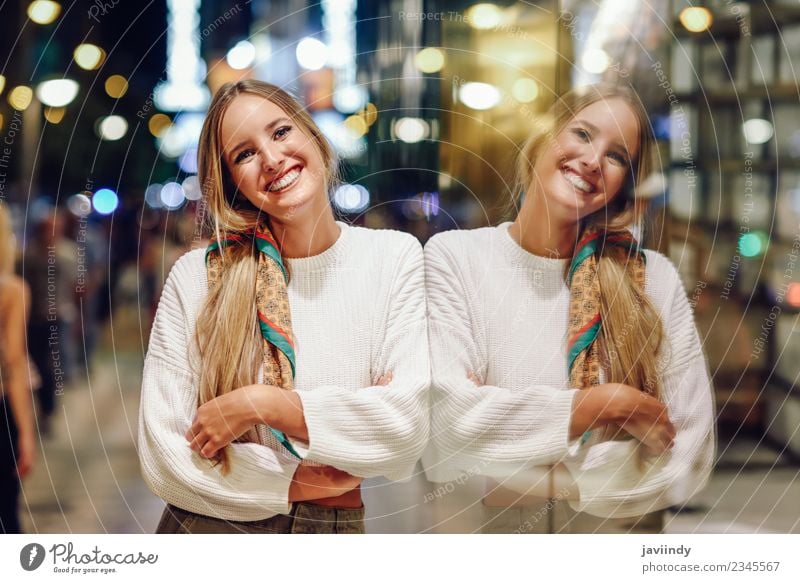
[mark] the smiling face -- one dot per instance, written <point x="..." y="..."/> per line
<point x="586" y="165"/>
<point x="272" y="161"/>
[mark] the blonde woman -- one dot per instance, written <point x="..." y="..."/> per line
<point x="289" y="360"/>
<point x="17" y="434"/>
<point x="566" y="363"/>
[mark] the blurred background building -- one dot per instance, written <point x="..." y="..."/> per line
<point x="427" y="103"/>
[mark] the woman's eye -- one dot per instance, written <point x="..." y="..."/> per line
<point x="619" y="158"/>
<point x="282" y="132"/>
<point x="243" y="155"/>
<point x="582" y="134"/>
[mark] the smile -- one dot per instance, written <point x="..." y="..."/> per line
<point x="285" y="181"/>
<point x="577" y="181"/>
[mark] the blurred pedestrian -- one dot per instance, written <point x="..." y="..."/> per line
<point x="17" y="435"/>
<point x="50" y="268"/>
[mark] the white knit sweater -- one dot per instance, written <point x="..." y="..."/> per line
<point x="501" y="312"/>
<point x="358" y="311"/>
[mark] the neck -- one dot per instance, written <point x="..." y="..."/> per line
<point x="536" y="231"/>
<point x="306" y="238"/>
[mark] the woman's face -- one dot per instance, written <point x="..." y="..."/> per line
<point x="275" y="165"/>
<point x="585" y="166"/>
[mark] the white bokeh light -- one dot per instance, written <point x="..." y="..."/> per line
<point x="112" y="128"/>
<point x="241" y="55"/>
<point x="479" y="95"/>
<point x="312" y="54"/>
<point x="411" y="129"/>
<point x="757" y="131"/>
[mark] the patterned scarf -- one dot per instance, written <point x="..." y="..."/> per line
<point x="272" y="305"/>
<point x="585" y="323"/>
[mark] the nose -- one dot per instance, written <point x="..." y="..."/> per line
<point x="272" y="158"/>
<point x="591" y="160"/>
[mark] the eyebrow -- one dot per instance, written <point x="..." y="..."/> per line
<point x="267" y="128"/>
<point x="594" y="129"/>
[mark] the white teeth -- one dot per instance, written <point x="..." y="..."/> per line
<point x="287" y="180"/>
<point x="578" y="182"/>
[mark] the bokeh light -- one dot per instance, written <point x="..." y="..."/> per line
<point x="20" y="97"/>
<point x="312" y="54"/>
<point x="357" y="125"/>
<point x="116" y="86"/>
<point x="54" y="115"/>
<point x="595" y="61"/>
<point x="88" y="56"/>
<point x="757" y="131"/>
<point x="411" y="129"/>
<point x="351" y="198"/>
<point x="484" y="16"/>
<point x="430" y="60"/>
<point x="479" y="95"/>
<point x="158" y="124"/>
<point x="43" y="11"/>
<point x="57" y="92"/>
<point x="191" y="187"/>
<point x="241" y="56"/>
<point x="696" y="19"/>
<point x="112" y="127"/>
<point x="525" y="90"/>
<point x="152" y="196"/>
<point x="79" y="205"/>
<point x="752" y="244"/>
<point x="105" y="201"/>
<point x="172" y="195"/>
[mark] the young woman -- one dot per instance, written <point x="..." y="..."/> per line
<point x="289" y="360"/>
<point x="17" y="435"/>
<point x="566" y="363"/>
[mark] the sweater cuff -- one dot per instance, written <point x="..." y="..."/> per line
<point x="611" y="483"/>
<point x="570" y="447"/>
<point x="320" y="436"/>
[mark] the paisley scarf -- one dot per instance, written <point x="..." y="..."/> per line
<point x="272" y="308"/>
<point x="585" y="323"/>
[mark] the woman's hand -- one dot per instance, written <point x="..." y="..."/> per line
<point x="641" y="415"/>
<point x="648" y="421"/>
<point x="656" y="438"/>
<point x="315" y="482"/>
<point x="26" y="454"/>
<point x="225" y="418"/>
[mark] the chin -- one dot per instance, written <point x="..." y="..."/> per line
<point x="573" y="206"/>
<point x="289" y="206"/>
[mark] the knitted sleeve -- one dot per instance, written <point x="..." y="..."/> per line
<point x="381" y="430"/>
<point x="257" y="485"/>
<point x="489" y="429"/>
<point x="610" y="481"/>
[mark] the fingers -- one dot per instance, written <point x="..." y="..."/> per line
<point x="475" y="379"/>
<point x="201" y="443"/>
<point x="663" y="440"/>
<point x="385" y="379"/>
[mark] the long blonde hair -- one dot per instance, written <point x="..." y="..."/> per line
<point x="632" y="331"/>
<point x="228" y="338"/>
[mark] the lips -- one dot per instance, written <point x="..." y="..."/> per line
<point x="578" y="181"/>
<point x="285" y="180"/>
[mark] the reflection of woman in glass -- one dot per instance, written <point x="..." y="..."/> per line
<point x="17" y="435"/>
<point x="566" y="363"/>
<point x="285" y="298"/>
